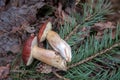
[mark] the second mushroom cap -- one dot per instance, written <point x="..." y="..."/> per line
<point x="47" y="26"/>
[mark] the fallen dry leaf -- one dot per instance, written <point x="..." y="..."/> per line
<point x="101" y="27"/>
<point x="4" y="71"/>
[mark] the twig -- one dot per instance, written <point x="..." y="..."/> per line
<point x="71" y="33"/>
<point x="93" y="56"/>
<point x="59" y="76"/>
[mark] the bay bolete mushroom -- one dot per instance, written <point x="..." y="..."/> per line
<point x="47" y="26"/>
<point x="57" y="43"/>
<point x="50" y="57"/>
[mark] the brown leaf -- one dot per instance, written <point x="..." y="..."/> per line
<point x="109" y="25"/>
<point x="101" y="27"/>
<point x="4" y="71"/>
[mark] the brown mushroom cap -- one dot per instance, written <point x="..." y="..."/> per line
<point x="26" y="52"/>
<point x="44" y="30"/>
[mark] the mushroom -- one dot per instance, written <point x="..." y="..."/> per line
<point x="44" y="30"/>
<point x="55" y="41"/>
<point x="50" y="57"/>
<point x="59" y="45"/>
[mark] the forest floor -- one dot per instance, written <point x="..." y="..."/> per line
<point x="21" y="18"/>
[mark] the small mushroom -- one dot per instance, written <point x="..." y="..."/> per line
<point x="59" y="45"/>
<point x="50" y="57"/>
<point x="44" y="30"/>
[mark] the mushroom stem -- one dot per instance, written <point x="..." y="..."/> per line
<point x="49" y="57"/>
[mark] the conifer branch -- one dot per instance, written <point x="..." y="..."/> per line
<point x="93" y="56"/>
<point x="72" y="32"/>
